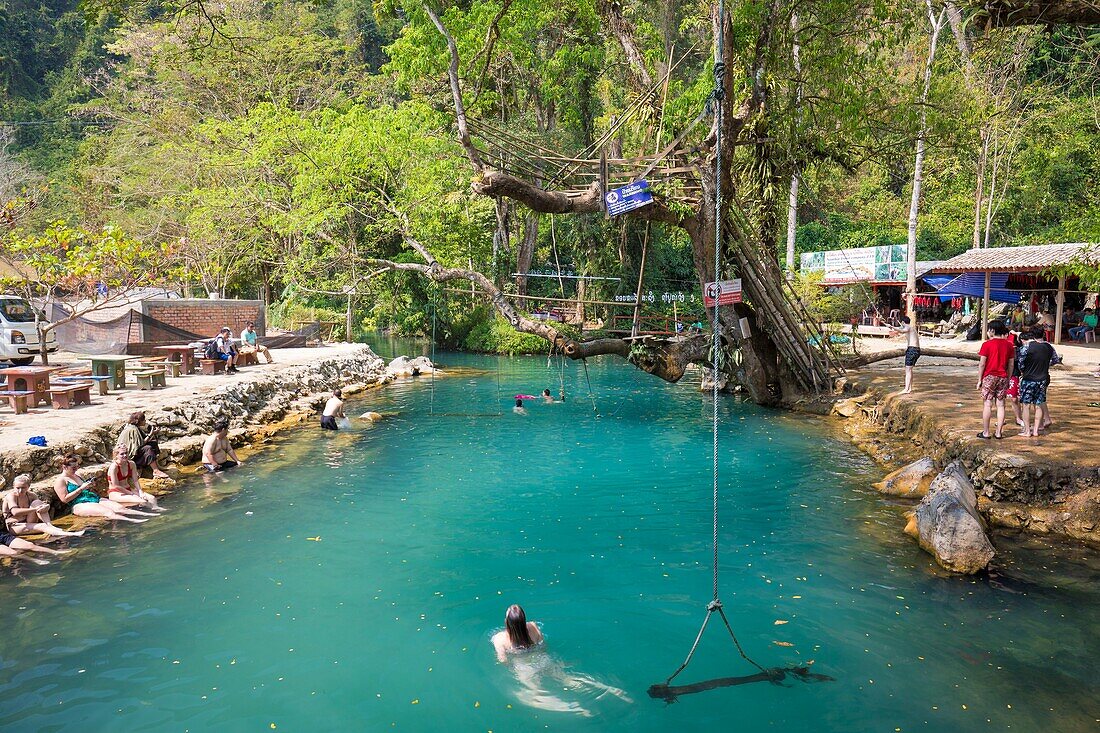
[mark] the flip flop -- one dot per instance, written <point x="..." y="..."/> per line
<point x="999" y="437"/>
<point x="984" y="437"/>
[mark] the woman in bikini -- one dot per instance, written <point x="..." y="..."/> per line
<point x="12" y="546"/>
<point x="79" y="496"/>
<point x="519" y="634"/>
<point x="124" y="486"/>
<point x="23" y="514"/>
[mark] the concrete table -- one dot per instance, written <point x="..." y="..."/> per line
<point x="110" y="365"/>
<point x="186" y="354"/>
<point x="32" y="379"/>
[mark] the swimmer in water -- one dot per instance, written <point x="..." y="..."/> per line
<point x="519" y="634"/>
<point x="540" y="676"/>
<point x="547" y="397"/>
<point x="519" y="409"/>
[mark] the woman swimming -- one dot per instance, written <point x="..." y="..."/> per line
<point x="519" y="634"/>
<point x="78" y="494"/>
<point x="124" y="485"/>
<point x="541" y="677"/>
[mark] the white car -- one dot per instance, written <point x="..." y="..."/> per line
<point x="18" y="336"/>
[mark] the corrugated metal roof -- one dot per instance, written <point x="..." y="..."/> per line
<point x="1031" y="258"/>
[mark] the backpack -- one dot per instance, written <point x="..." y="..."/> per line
<point x="210" y="351"/>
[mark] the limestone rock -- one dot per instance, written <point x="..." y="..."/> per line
<point x="909" y="481"/>
<point x="949" y="526"/>
<point x="403" y="366"/>
<point x="372" y="416"/>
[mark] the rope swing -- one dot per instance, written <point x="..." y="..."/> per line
<point x="666" y="691"/>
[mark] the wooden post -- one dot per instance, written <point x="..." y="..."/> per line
<point x="641" y="281"/>
<point x="1061" y="302"/>
<point x="985" y="306"/>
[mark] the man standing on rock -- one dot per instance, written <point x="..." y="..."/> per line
<point x="994" y="370"/>
<point x="1034" y="379"/>
<point x="912" y="350"/>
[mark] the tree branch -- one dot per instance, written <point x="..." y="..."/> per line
<point x="456" y="91"/>
<point x="1009" y="13"/>
<point x="897" y="353"/>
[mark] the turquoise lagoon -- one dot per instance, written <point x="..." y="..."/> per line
<point x="352" y="582"/>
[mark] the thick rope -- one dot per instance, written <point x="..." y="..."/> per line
<point x="716" y="353"/>
<point x="590" y="395"/>
<point x="431" y="408"/>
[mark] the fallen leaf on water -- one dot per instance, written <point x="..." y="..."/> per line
<point x="782" y="643"/>
<point x="477" y="704"/>
<point x="780" y="622"/>
<point x="314" y="539"/>
<point x="416" y="701"/>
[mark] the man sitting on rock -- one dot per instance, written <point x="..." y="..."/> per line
<point x="249" y="344"/>
<point x="217" y="452"/>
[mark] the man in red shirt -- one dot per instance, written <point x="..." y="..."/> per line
<point x="994" y="369"/>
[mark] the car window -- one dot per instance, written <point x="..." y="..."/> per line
<point x="17" y="311"/>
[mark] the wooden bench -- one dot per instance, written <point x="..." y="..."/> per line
<point x="212" y="366"/>
<point x="65" y="396"/>
<point x="102" y="382"/>
<point x="17" y="399"/>
<point x="174" y="368"/>
<point x="150" y="378"/>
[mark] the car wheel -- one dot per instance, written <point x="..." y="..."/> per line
<point x="25" y="361"/>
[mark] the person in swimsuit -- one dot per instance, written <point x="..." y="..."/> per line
<point x="24" y="514"/>
<point x="11" y="546"/>
<point x="334" y="411"/>
<point x="217" y="452"/>
<point x="78" y="494"/>
<point x="912" y="350"/>
<point x="519" y="409"/>
<point x="519" y="634"/>
<point x="124" y="485"/>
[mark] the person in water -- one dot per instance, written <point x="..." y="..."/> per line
<point x="519" y="634"/>
<point x="124" y="484"/>
<point x="547" y="397"/>
<point x="334" y="410"/>
<point x="217" y="452"/>
<point x="519" y="409"/>
<point x="24" y="514"/>
<point x="78" y="495"/>
<point x="11" y="546"/>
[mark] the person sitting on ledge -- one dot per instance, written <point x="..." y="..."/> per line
<point x="217" y="452"/>
<point x="225" y="350"/>
<point x="139" y="440"/>
<point x="249" y="344"/>
<point x="124" y="484"/>
<point x="11" y="546"/>
<point x="24" y="514"/>
<point x="79" y="496"/>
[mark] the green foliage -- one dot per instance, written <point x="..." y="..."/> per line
<point x="495" y="335"/>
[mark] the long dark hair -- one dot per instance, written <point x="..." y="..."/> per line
<point x="515" y="621"/>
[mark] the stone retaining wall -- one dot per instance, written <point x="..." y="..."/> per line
<point x="250" y="405"/>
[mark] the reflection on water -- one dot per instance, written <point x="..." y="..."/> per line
<point x="348" y="581"/>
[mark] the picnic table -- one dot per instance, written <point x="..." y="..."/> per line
<point x="186" y="354"/>
<point x="32" y="379"/>
<point x="112" y="365"/>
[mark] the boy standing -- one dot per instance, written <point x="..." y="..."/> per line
<point x="1034" y="378"/>
<point x="994" y="369"/>
<point x="912" y="350"/>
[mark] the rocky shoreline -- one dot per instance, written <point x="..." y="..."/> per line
<point x="1046" y="495"/>
<point x="257" y="408"/>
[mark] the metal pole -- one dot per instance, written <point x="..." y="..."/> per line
<point x="985" y="305"/>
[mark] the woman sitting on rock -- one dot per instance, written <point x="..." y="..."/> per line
<point x="78" y="495"/>
<point x="124" y="484"/>
<point x="139" y="439"/>
<point x="25" y="514"/>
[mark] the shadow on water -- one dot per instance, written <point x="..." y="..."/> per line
<point x="774" y="675"/>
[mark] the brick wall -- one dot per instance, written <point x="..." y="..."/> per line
<point x="202" y="317"/>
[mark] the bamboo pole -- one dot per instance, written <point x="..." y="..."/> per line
<point x="641" y="282"/>
<point x="1060" y="301"/>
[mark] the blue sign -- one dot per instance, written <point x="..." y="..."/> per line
<point x="628" y="198"/>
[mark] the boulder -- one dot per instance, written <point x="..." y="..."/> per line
<point x="909" y="481"/>
<point x="403" y="366"/>
<point x="372" y="416"/>
<point x="948" y="524"/>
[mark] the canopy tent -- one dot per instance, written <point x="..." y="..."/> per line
<point x="972" y="285"/>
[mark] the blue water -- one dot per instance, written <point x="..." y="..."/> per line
<point x="352" y="582"/>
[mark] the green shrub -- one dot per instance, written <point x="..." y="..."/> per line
<point x="496" y="336"/>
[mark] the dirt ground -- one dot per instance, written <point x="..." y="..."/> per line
<point x="945" y="390"/>
<point x="62" y="425"/>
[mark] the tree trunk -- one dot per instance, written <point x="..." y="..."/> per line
<point x="792" y="199"/>
<point x="979" y="189"/>
<point x="914" y="203"/>
<point x="526" y="251"/>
